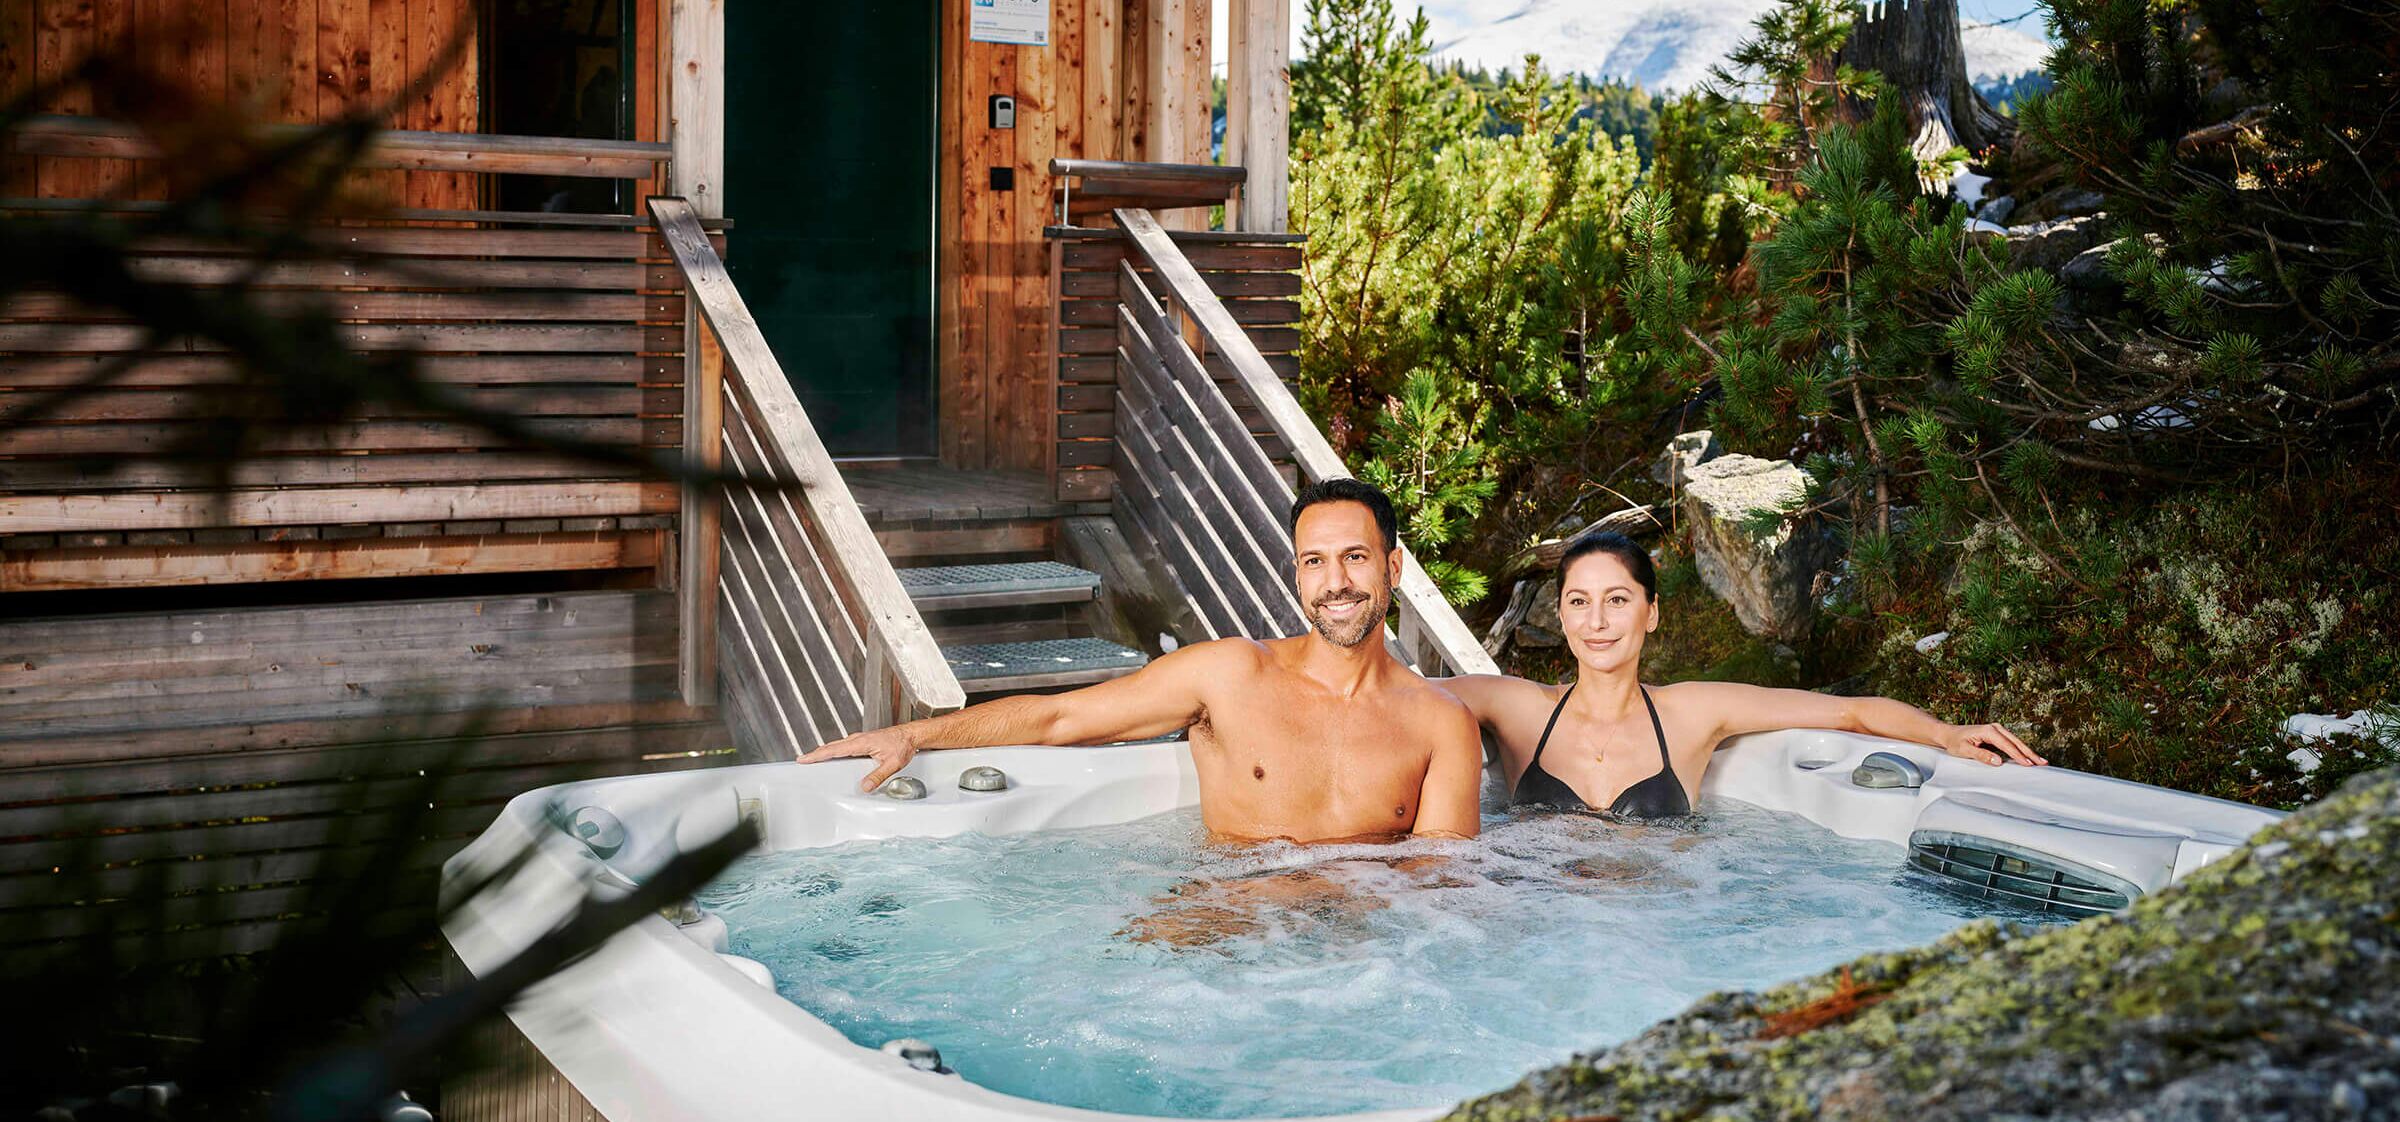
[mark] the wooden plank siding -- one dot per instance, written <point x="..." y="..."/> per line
<point x="289" y="61"/>
<point x="575" y="331"/>
<point x="205" y="769"/>
<point x="1256" y="275"/>
<point x="1094" y="93"/>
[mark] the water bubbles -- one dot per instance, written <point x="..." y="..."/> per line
<point x="1140" y="968"/>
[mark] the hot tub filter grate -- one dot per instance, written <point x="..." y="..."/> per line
<point x="1995" y="870"/>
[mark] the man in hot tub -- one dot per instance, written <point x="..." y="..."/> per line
<point x="1318" y="737"/>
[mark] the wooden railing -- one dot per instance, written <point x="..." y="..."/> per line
<point x="389" y="148"/>
<point x="1256" y="275"/>
<point x="1107" y="185"/>
<point x="815" y="638"/>
<point x="1199" y="485"/>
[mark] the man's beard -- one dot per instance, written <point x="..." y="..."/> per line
<point x="1369" y="621"/>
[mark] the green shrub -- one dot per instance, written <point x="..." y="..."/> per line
<point x="2232" y="609"/>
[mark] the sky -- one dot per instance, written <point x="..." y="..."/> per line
<point x="1452" y="16"/>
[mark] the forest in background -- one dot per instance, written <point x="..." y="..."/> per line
<point x="2114" y="469"/>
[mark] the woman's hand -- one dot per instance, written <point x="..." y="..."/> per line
<point x="1989" y="744"/>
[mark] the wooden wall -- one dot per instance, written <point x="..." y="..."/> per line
<point x="576" y="330"/>
<point x="270" y="60"/>
<point x="207" y="770"/>
<point x="1122" y="80"/>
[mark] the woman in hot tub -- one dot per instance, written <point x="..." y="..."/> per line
<point x="1606" y="742"/>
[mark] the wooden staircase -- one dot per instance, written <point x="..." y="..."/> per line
<point x="977" y="553"/>
<point x="854" y="596"/>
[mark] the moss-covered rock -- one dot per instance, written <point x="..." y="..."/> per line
<point x="2264" y="986"/>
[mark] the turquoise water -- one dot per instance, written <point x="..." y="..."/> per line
<point x="1137" y="968"/>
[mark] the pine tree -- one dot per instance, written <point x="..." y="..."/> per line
<point x="1425" y="455"/>
<point x="1780" y="89"/>
<point x="1463" y="265"/>
<point x="2252" y="160"/>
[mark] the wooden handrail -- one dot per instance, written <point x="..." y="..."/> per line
<point x="1127" y="169"/>
<point x="414" y="150"/>
<point x="899" y="672"/>
<point x="560" y="219"/>
<point x="1428" y="624"/>
<point x="1109" y="185"/>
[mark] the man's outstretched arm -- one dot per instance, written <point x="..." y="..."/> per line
<point x="1153" y="701"/>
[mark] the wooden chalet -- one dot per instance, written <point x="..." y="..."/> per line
<point x="1005" y="408"/>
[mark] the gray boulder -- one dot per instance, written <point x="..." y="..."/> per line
<point x="1765" y="579"/>
<point x="2260" y="987"/>
<point x="1542" y="628"/>
<point x="2089" y="269"/>
<point x="2061" y="202"/>
<point x="1685" y="452"/>
<point x="2090" y="287"/>
<point x="2048" y="246"/>
<point x="1996" y="211"/>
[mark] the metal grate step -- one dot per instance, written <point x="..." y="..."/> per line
<point x="991" y="667"/>
<point x="941" y="588"/>
<point x="1995" y="870"/>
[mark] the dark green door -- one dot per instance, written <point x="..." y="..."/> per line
<point x="829" y="152"/>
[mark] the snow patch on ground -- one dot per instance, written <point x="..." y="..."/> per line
<point x="2325" y="726"/>
<point x="1969" y="186"/>
<point x="2321" y="728"/>
<point x="2153" y="417"/>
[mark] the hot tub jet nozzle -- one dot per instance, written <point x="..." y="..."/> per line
<point x="917" y="1054"/>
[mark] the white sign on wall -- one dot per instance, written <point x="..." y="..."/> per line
<point x="1009" y="21"/>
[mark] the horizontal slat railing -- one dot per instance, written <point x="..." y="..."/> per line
<point x="52" y="135"/>
<point x="817" y="639"/>
<point x="1255" y="274"/>
<point x="1201" y="486"/>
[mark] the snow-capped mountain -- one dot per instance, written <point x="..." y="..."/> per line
<point x="1660" y="44"/>
<point x="1999" y="52"/>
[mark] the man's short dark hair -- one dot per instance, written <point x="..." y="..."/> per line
<point x="1343" y="489"/>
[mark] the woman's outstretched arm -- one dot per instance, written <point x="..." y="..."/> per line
<point x="1738" y="709"/>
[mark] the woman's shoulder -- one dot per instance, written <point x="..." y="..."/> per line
<point x="1699" y="701"/>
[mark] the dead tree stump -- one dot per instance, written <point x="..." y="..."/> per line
<point x="1915" y="45"/>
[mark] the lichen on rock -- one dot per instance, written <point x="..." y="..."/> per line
<point x="2264" y="986"/>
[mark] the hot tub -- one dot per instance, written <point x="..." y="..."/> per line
<point x="660" y="1023"/>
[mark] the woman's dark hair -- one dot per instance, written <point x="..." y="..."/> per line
<point x="1342" y="489"/>
<point x="1636" y="559"/>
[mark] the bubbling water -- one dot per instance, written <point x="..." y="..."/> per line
<point x="1138" y="968"/>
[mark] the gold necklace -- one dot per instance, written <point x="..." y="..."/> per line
<point x="1615" y="734"/>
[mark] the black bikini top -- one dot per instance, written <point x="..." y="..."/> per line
<point x="1660" y="796"/>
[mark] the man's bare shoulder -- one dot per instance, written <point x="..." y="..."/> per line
<point x="1217" y="657"/>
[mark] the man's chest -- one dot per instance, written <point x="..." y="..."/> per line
<point x="1276" y="754"/>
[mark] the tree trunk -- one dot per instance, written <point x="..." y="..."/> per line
<point x="1915" y="45"/>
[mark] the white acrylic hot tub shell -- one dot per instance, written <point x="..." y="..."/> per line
<point x="656" y="1026"/>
